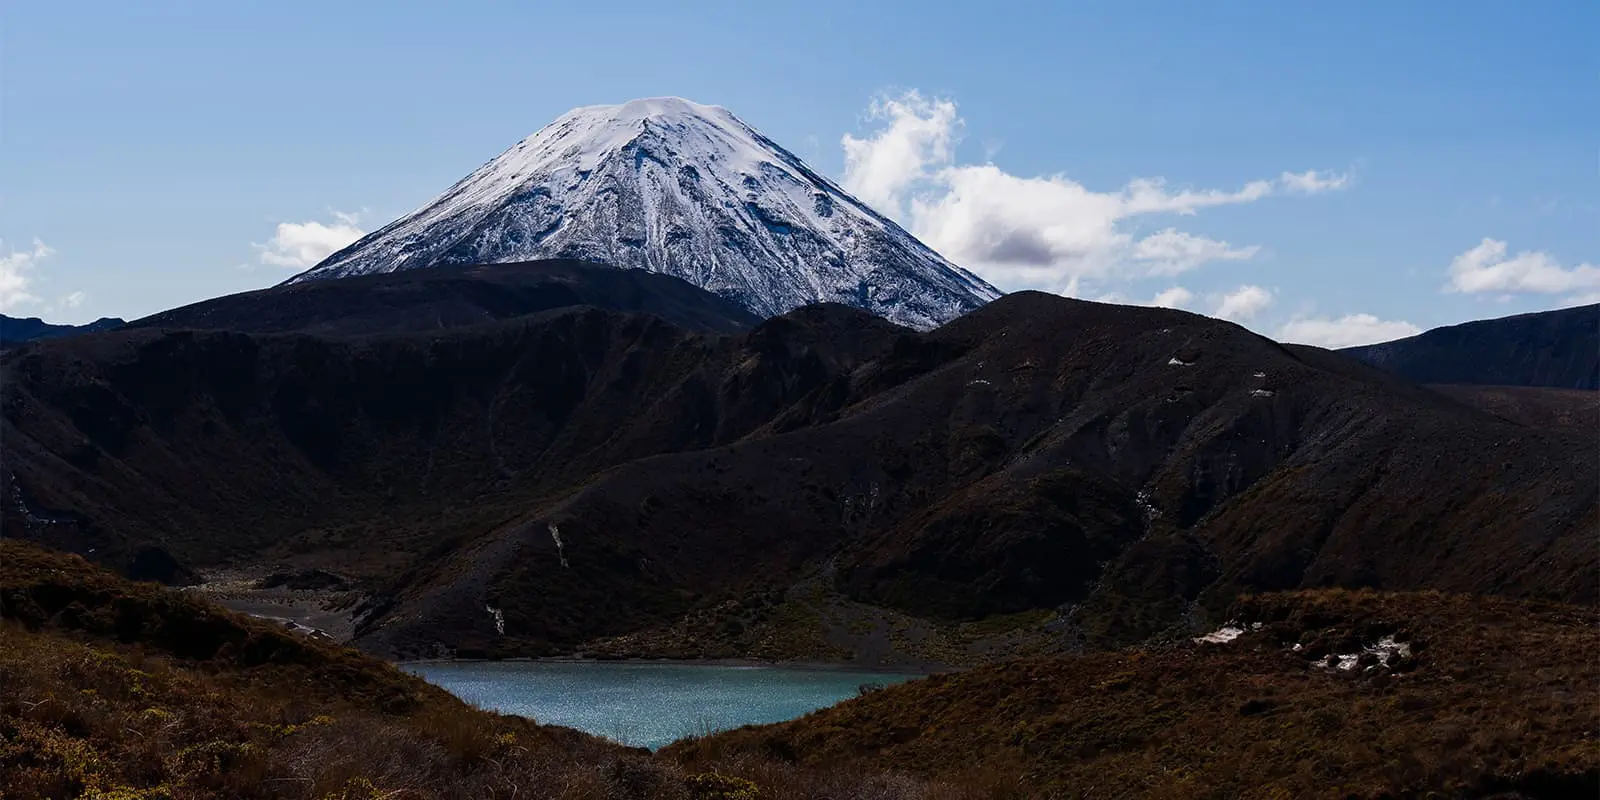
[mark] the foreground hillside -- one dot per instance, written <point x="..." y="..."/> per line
<point x="1443" y="696"/>
<point x="1042" y="475"/>
<point x="1559" y="349"/>
<point x="110" y="689"/>
<point x="119" y="691"/>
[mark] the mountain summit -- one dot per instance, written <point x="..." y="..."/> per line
<point x="680" y="188"/>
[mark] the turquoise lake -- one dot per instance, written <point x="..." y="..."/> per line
<point x="647" y="705"/>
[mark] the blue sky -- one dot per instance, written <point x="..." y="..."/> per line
<point x="150" y="151"/>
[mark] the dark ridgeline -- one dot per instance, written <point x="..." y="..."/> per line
<point x="16" y="330"/>
<point x="422" y="432"/>
<point x="1559" y="349"/>
<point x="450" y="297"/>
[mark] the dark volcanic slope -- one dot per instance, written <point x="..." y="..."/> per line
<point x="1551" y="348"/>
<point x="1577" y="410"/>
<point x="590" y="473"/>
<point x="16" y="330"/>
<point x="453" y="296"/>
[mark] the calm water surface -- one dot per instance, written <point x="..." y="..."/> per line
<point x="647" y="705"/>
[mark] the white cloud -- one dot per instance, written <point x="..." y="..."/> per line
<point x="299" y="245"/>
<point x="16" y="277"/>
<point x="1048" y="232"/>
<point x="72" y="300"/>
<point x="1176" y="297"/>
<point x="1150" y="196"/>
<point x="1243" y="303"/>
<point x="1486" y="268"/>
<point x="1312" y="181"/>
<point x="1172" y="251"/>
<point x="1349" y="330"/>
<point x="919" y="135"/>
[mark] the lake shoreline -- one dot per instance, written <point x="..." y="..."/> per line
<point x="817" y="666"/>
<point x="650" y="703"/>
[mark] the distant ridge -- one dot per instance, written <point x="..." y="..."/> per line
<point x="16" y="330"/>
<point x="1559" y="349"/>
<point x="455" y="296"/>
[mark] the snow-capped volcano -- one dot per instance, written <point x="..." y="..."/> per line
<point x="681" y="188"/>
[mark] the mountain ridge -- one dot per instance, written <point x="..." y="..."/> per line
<point x="437" y="298"/>
<point x="1122" y="471"/>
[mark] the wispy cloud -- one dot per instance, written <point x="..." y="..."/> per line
<point x="1171" y="252"/>
<point x="1313" y="181"/>
<point x="1048" y="231"/>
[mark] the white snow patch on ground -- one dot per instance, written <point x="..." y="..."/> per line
<point x="1387" y="647"/>
<point x="1387" y="650"/>
<point x="1178" y="362"/>
<point x="1149" y="509"/>
<point x="1262" y="393"/>
<point x="978" y="382"/>
<point x="561" y="549"/>
<point x="499" y="619"/>
<point x="1222" y="635"/>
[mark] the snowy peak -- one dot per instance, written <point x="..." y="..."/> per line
<point x="676" y="187"/>
<point x="588" y="134"/>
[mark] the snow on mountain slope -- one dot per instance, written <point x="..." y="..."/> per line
<point x="681" y="188"/>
